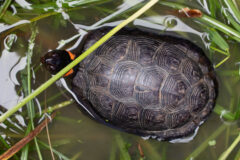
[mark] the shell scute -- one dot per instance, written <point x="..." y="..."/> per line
<point x="147" y="85"/>
<point x="153" y="119"/>
<point x="170" y="58"/>
<point x="191" y="71"/>
<point x="125" y="70"/>
<point x="198" y="97"/>
<point x="127" y="115"/>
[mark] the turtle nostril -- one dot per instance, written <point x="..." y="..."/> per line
<point x="55" y="55"/>
<point x="42" y="60"/>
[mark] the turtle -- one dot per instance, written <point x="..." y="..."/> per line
<point x="153" y="85"/>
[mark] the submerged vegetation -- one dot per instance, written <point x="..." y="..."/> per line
<point x="22" y="27"/>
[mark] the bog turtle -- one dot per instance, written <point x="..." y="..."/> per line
<point x="157" y="86"/>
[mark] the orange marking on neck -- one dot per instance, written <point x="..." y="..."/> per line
<point x="72" y="56"/>
<point x="68" y="73"/>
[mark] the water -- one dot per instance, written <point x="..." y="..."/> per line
<point x="73" y="133"/>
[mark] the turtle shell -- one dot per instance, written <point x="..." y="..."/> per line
<point x="152" y="85"/>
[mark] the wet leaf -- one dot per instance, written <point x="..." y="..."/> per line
<point x="231" y="19"/>
<point x="218" y="39"/>
<point x="214" y="7"/>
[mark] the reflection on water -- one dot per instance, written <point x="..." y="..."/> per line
<point x="10" y="63"/>
<point x="24" y="4"/>
<point x="72" y="131"/>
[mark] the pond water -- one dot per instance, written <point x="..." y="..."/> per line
<point x="74" y="134"/>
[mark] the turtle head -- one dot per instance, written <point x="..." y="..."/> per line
<point x="56" y="60"/>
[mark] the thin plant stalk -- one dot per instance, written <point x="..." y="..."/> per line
<point x="75" y="62"/>
<point x="47" y="130"/>
<point x="231" y="19"/>
<point x="57" y="106"/>
<point x="204" y="145"/>
<point x="237" y="156"/>
<point x="7" y="146"/>
<point x="122" y="147"/>
<point x="152" y="151"/>
<point x="76" y="156"/>
<point x="25" y="149"/>
<point x="222" y="112"/>
<point x="225" y="154"/>
<point x="49" y="140"/>
<point x="4" y="7"/>
<point x="221" y="27"/>
<point x="222" y="61"/>
<point x="59" y="154"/>
<point x="30" y="103"/>
<point x="113" y="152"/>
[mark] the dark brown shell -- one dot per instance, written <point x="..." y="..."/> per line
<point x="151" y="85"/>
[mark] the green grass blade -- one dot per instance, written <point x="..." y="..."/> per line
<point x="9" y="18"/>
<point x="214" y="7"/>
<point x="221" y="27"/>
<point x="233" y="9"/>
<point x="38" y="148"/>
<point x="76" y="156"/>
<point x="221" y="62"/>
<point x="5" y="144"/>
<point x="218" y="39"/>
<point x="83" y="2"/>
<point x="113" y="152"/>
<point x="4" y="7"/>
<point x="77" y="60"/>
<point x="204" y="144"/>
<point x="225" y="154"/>
<point x="122" y="147"/>
<point x="59" y="154"/>
<point x="237" y="157"/>
<point x="220" y="51"/>
<point x="26" y="84"/>
<point x="233" y="73"/>
<point x="58" y="106"/>
<point x="153" y="153"/>
<point x="31" y="110"/>
<point x="222" y="112"/>
<point x="25" y="149"/>
<point x="237" y="113"/>
<point x="231" y="20"/>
